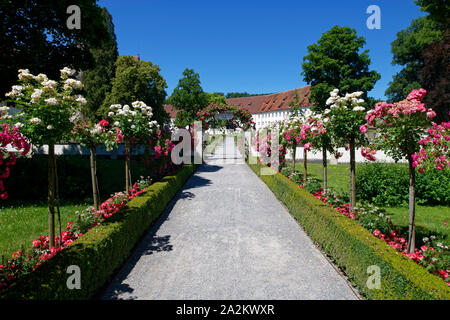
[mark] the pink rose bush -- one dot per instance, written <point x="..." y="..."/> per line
<point x="434" y="151"/>
<point x="12" y="142"/>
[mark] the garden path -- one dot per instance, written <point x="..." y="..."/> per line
<point x="226" y="236"/>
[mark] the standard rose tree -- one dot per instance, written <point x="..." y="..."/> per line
<point x="401" y="127"/>
<point x="347" y="115"/>
<point x="136" y="125"/>
<point x="90" y="134"/>
<point x="45" y="109"/>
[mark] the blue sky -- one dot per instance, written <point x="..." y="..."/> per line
<point x="250" y="45"/>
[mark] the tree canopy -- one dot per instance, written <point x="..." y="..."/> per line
<point x="137" y="80"/>
<point x="188" y="97"/>
<point x="34" y="35"/>
<point x="335" y="61"/>
<point x="407" y="51"/>
<point x="97" y="79"/>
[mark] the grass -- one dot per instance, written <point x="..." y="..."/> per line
<point x="21" y="223"/>
<point x="429" y="219"/>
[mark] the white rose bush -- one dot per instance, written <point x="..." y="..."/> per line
<point x="136" y="125"/>
<point x="45" y="108"/>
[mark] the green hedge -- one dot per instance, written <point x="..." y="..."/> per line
<point x="28" y="179"/>
<point x="101" y="250"/>
<point x="353" y="248"/>
<point x="387" y="184"/>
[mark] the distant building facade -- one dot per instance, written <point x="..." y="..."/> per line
<point x="265" y="109"/>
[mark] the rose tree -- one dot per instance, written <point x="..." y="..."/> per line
<point x="347" y="115"/>
<point x="45" y="107"/>
<point x="321" y="139"/>
<point x="135" y="125"/>
<point x="90" y="134"/>
<point x="401" y="126"/>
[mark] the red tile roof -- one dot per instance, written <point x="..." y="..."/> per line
<point x="260" y="104"/>
<point x="272" y="102"/>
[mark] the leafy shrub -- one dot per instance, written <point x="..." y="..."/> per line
<point x="312" y="185"/>
<point x="387" y="185"/>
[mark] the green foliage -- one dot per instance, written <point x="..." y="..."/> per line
<point x="35" y="33"/>
<point x="335" y="62"/>
<point x="137" y="80"/>
<point x="438" y="10"/>
<point x="312" y="185"/>
<point x="102" y="250"/>
<point x="216" y="98"/>
<point x="97" y="79"/>
<point x="188" y="97"/>
<point x="387" y="185"/>
<point x="407" y="51"/>
<point x="353" y="248"/>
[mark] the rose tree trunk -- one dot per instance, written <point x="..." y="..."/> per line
<point x="352" y="176"/>
<point x="305" y="167"/>
<point x="93" y="163"/>
<point x="412" y="206"/>
<point x="324" y="164"/>
<point x="51" y="195"/>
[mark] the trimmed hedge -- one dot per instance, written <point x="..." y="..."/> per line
<point x="353" y="248"/>
<point x="386" y="184"/>
<point x="101" y="250"/>
<point x="28" y="175"/>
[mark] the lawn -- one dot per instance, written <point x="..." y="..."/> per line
<point x="429" y="220"/>
<point x="21" y="223"/>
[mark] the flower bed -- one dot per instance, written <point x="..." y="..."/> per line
<point x="99" y="251"/>
<point x="353" y="248"/>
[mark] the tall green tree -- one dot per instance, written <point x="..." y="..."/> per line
<point x="137" y="80"/>
<point x="335" y="61"/>
<point x="97" y="80"/>
<point x="188" y="97"/>
<point x="407" y="51"/>
<point x="34" y="35"/>
<point x="435" y="72"/>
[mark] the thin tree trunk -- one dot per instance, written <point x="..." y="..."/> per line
<point x="127" y="166"/>
<point x="51" y="195"/>
<point x="93" y="163"/>
<point x="305" y="168"/>
<point x="294" y="153"/>
<point x="324" y="163"/>
<point x="58" y="211"/>
<point x="412" y="207"/>
<point x="352" y="176"/>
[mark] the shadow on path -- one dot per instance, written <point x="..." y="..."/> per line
<point x="150" y="242"/>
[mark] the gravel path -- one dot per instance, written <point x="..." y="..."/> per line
<point x="226" y="236"/>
